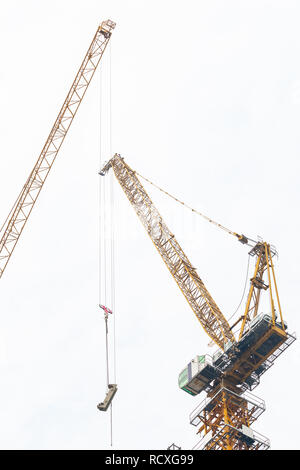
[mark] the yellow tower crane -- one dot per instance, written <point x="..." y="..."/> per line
<point x="224" y="417"/>
<point x="15" y="222"/>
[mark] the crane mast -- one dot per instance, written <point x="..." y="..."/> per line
<point x="23" y="206"/>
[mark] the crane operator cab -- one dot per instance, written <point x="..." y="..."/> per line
<point x="198" y="375"/>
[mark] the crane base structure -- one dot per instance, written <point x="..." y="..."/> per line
<point x="219" y="417"/>
<point x="224" y="417"/>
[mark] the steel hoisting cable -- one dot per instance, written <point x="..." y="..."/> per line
<point x="106" y="244"/>
<point x="102" y="233"/>
<point x="209" y="220"/>
<point x="100" y="188"/>
<point x="188" y="207"/>
<point x="112" y="241"/>
<point x="106" y="347"/>
<point x="244" y="290"/>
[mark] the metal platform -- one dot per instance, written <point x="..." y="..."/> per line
<point x="242" y="440"/>
<point x="254" y="405"/>
<point x="246" y="361"/>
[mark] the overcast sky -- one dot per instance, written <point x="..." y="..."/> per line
<point x="206" y="103"/>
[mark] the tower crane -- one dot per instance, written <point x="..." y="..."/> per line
<point x="224" y="417"/>
<point x="15" y="222"/>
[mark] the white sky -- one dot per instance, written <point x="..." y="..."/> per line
<point x="205" y="102"/>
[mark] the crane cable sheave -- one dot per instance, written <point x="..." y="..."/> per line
<point x="185" y="275"/>
<point x="20" y="212"/>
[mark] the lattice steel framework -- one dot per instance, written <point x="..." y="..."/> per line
<point x="264" y="264"/>
<point x="189" y="282"/>
<point x="225" y="418"/>
<point x="23" y="206"/>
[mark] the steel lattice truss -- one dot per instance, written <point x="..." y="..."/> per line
<point x="203" y="305"/>
<point x="221" y="418"/>
<point x="31" y="190"/>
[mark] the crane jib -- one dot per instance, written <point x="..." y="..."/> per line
<point x="19" y="214"/>
<point x="185" y="275"/>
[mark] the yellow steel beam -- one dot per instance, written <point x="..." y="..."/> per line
<point x="21" y="210"/>
<point x="185" y="275"/>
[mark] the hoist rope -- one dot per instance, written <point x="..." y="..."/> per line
<point x="187" y="206"/>
<point x="106" y="347"/>
<point x="112" y="242"/>
<point x="244" y="290"/>
<point x="106" y="229"/>
<point x="209" y="220"/>
<point x="112" y="215"/>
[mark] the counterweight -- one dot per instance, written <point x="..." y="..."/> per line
<point x="21" y="210"/>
